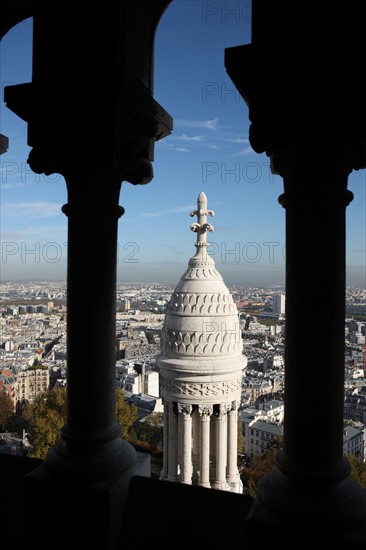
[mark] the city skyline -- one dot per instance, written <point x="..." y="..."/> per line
<point x="208" y="150"/>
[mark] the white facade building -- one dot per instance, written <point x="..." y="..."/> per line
<point x="30" y="383"/>
<point x="273" y="410"/>
<point x="201" y="364"/>
<point x="353" y="442"/>
<point x="259" y="434"/>
<point x="279" y="304"/>
<point x="137" y="379"/>
<point x="151" y="383"/>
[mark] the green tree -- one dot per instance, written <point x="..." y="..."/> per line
<point x="259" y="466"/>
<point x="6" y="411"/>
<point x="126" y="414"/>
<point x="266" y="462"/>
<point x="46" y="415"/>
<point x="358" y="470"/>
<point x="241" y="441"/>
<point x="151" y="431"/>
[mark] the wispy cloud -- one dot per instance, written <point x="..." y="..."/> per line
<point x="245" y="151"/>
<point x="173" y="147"/>
<point x="39" y="233"/>
<point x="184" y="137"/>
<point x="36" y="209"/>
<point x="5" y="186"/>
<point x="207" y="124"/>
<point x="237" y="140"/>
<point x="220" y="139"/>
<point x="159" y="213"/>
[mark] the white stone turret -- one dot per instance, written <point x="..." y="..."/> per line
<point x="201" y="364"/>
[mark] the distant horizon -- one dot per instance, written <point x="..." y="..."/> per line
<point x="170" y="283"/>
<point x="131" y="281"/>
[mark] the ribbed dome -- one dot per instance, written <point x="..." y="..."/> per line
<point x="201" y="330"/>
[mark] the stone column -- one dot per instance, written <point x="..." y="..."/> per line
<point x="315" y="235"/>
<point x="213" y="439"/>
<point x="173" y="443"/>
<point x="91" y="328"/>
<point x="164" y="472"/>
<point x="221" y="447"/>
<point x="179" y="442"/>
<point x="186" y="466"/>
<point x="90" y="440"/>
<point x="205" y="412"/>
<point x="196" y="446"/>
<point x="91" y="465"/>
<point x="232" y="474"/>
<point x="315" y="200"/>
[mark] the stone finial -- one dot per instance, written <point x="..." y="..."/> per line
<point x="201" y="226"/>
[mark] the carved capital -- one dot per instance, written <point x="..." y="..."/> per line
<point x="324" y="172"/>
<point x="205" y="411"/>
<point x="123" y="161"/>
<point x="359" y="157"/>
<point x="184" y="409"/>
<point x="223" y="409"/>
<point x="234" y="405"/>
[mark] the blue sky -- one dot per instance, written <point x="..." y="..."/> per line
<point x="208" y="150"/>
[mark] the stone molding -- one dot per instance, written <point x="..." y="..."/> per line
<point x="214" y="389"/>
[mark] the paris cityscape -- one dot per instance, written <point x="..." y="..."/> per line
<point x="33" y="354"/>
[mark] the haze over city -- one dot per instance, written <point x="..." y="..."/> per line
<point x="208" y="150"/>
